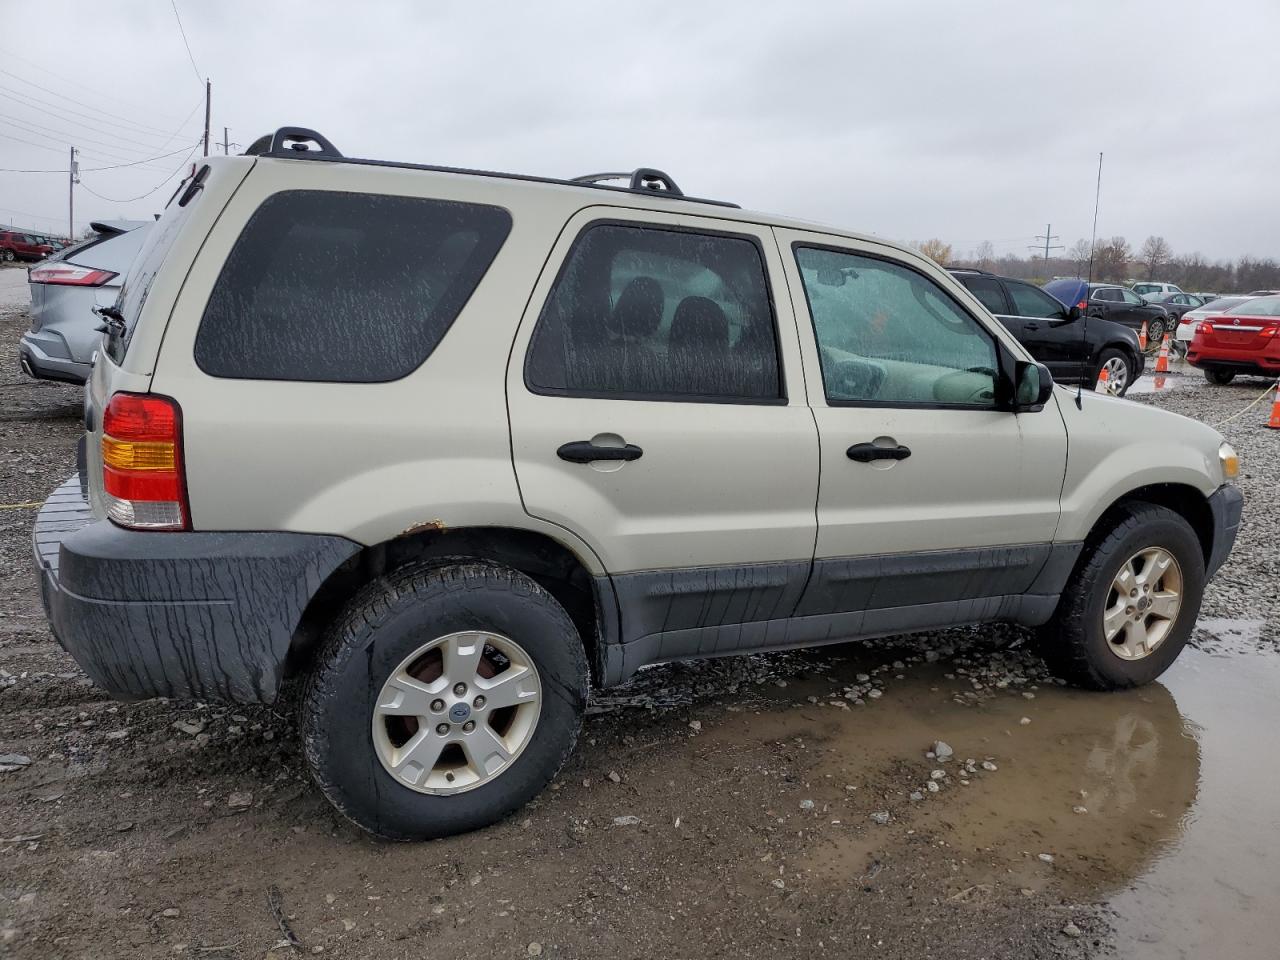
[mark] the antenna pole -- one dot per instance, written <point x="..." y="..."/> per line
<point x="1097" y="197"/>
<point x="208" y="101"/>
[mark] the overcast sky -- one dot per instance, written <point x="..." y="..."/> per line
<point x="965" y="121"/>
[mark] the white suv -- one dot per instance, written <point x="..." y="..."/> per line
<point x="454" y="446"/>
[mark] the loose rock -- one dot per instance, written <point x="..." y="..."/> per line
<point x="942" y="751"/>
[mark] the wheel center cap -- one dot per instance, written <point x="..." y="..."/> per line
<point x="459" y="713"/>
<point x="1144" y="604"/>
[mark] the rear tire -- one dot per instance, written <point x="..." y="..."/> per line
<point x="1156" y="331"/>
<point x="9" y="256"/>
<point x="348" y="729"/>
<point x="1219" y="377"/>
<point x="1074" y="642"/>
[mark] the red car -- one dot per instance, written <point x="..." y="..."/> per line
<point x="1244" y="340"/>
<point x="22" y="246"/>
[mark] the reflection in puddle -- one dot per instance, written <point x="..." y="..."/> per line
<point x="1162" y="801"/>
<point x="1216" y="892"/>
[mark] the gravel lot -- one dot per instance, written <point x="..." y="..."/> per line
<point x="755" y="807"/>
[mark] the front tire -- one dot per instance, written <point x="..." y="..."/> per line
<point x="1219" y="377"/>
<point x="1119" y="371"/>
<point x="1130" y="604"/>
<point x="444" y="699"/>
<point x="1156" y="331"/>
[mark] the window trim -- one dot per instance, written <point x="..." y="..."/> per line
<point x="1004" y="365"/>
<point x="462" y="307"/>
<point x="783" y="398"/>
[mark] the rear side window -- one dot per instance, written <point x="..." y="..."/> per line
<point x="345" y="287"/>
<point x="987" y="290"/>
<point x="646" y="313"/>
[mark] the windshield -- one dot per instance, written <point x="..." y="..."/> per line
<point x="1221" y="305"/>
<point x="1259" y="307"/>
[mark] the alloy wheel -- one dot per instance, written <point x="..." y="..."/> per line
<point x="1142" y="603"/>
<point x="457" y="712"/>
<point x="1117" y="375"/>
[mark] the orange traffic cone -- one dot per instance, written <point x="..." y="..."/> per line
<point x="1142" y="337"/>
<point x="1274" y="422"/>
<point x="1103" y="379"/>
<point x="1162" y="361"/>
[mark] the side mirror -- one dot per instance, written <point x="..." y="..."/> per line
<point x="1033" y="387"/>
<point x="1072" y="314"/>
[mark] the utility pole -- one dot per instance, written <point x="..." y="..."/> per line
<point x="208" y="102"/>
<point x="1048" y="239"/>
<point x="73" y="171"/>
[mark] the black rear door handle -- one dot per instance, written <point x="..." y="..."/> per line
<point x="584" y="451"/>
<point x="866" y="452"/>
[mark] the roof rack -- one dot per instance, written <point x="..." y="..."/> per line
<point x="292" y="142"/>
<point x="643" y="178"/>
<point x="295" y="143"/>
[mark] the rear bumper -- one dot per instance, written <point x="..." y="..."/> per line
<point x="38" y="359"/>
<point x="1226" y="504"/>
<point x="185" y="615"/>
<point x="1263" y="362"/>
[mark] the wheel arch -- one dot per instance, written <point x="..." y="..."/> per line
<point x="1183" y="499"/>
<point x="588" y="599"/>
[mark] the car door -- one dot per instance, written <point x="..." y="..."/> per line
<point x="1047" y="330"/>
<point x="935" y="506"/>
<point x="658" y="410"/>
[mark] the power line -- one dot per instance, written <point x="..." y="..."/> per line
<point x="95" y="124"/>
<point x="199" y="75"/>
<point x="143" y="196"/>
<point x="115" y="166"/>
<point x="89" y="106"/>
<point x="77" y="135"/>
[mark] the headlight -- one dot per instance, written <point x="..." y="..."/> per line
<point x="1230" y="461"/>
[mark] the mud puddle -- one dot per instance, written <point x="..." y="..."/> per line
<point x="1160" y="802"/>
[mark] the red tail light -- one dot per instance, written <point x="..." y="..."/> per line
<point x="142" y="462"/>
<point x="70" y="275"/>
<point x="1083" y="305"/>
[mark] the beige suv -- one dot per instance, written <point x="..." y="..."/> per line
<point x="455" y="446"/>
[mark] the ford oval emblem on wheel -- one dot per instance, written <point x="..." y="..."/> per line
<point x="459" y="713"/>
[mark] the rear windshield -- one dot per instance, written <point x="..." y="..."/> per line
<point x="1260" y="307"/>
<point x="344" y="287"/>
<point x="160" y="238"/>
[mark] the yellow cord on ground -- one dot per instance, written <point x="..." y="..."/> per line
<point x="1265" y="393"/>
<point x="20" y="506"/>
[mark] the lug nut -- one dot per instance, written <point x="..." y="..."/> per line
<point x="1133" y="592"/>
<point x="437" y="706"/>
<point x="442" y="729"/>
<point x="460" y="689"/>
<point x="479" y="702"/>
<point x="468" y="726"/>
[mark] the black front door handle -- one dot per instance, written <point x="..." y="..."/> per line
<point x="584" y="451"/>
<point x="866" y="452"/>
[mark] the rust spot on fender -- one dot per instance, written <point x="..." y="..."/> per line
<point x="436" y="525"/>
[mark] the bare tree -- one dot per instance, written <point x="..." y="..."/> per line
<point x="1111" y="259"/>
<point x="1155" y="253"/>
<point x="1079" y="256"/>
<point x="935" y="250"/>
<point x="985" y="255"/>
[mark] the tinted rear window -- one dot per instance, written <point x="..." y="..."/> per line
<point x="344" y="287"/>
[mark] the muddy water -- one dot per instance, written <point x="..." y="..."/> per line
<point x="1162" y="802"/>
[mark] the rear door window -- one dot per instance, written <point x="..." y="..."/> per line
<point x="987" y="290"/>
<point x="646" y="313"/>
<point x="345" y="287"/>
<point x="1029" y="301"/>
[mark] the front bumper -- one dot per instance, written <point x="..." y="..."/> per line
<point x="37" y="361"/>
<point x="187" y="615"/>
<point x="1226" y="504"/>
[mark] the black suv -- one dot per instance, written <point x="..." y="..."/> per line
<point x="1074" y="347"/>
<point x="1122" y="305"/>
